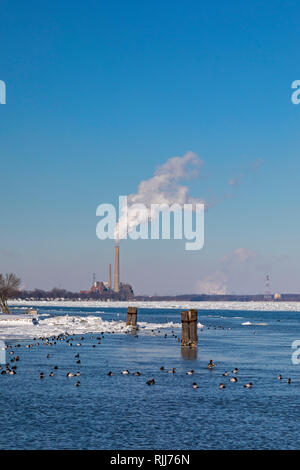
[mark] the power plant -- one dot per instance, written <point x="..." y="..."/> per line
<point x="104" y="289"/>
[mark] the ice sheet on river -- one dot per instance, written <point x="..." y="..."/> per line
<point x="14" y="326"/>
<point x="242" y="306"/>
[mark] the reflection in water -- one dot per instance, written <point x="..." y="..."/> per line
<point x="188" y="353"/>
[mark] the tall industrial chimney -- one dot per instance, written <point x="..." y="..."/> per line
<point x="117" y="269"/>
<point x="109" y="276"/>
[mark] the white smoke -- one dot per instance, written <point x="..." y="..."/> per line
<point x="242" y="255"/>
<point x="230" y="267"/>
<point x="162" y="188"/>
<point x="215" y="284"/>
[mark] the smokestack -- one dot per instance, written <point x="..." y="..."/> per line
<point x="117" y="269"/>
<point x="109" y="276"/>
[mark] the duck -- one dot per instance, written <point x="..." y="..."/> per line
<point x="172" y="371"/>
<point x="289" y="381"/>
<point x="248" y="385"/>
<point x="221" y="386"/>
<point x="211" y="364"/>
<point x="279" y="377"/>
<point x="136" y="373"/>
<point x="195" y="385"/>
<point x="225" y="374"/>
<point x="110" y="373"/>
<point x="233" y="379"/>
<point x="125" y="372"/>
<point x="51" y="374"/>
<point x="78" y="362"/>
<point x="235" y="370"/>
<point x="41" y="375"/>
<point x="69" y="374"/>
<point x="190" y="372"/>
<point x="162" y="368"/>
<point x="150" y="382"/>
<point x="77" y="384"/>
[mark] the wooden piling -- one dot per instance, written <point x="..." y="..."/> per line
<point x="131" y="317"/>
<point x="189" y="328"/>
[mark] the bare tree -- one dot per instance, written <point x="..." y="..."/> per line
<point x="9" y="285"/>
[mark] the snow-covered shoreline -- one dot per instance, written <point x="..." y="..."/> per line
<point x="241" y="306"/>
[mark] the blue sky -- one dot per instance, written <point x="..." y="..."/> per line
<point x="101" y="93"/>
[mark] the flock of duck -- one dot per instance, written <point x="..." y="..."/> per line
<point x="210" y="365"/>
<point x="10" y="368"/>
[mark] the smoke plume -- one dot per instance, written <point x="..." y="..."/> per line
<point x="163" y="188"/>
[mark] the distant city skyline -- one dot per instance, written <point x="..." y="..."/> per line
<point x="99" y="97"/>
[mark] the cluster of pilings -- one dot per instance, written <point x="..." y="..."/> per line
<point x="189" y="318"/>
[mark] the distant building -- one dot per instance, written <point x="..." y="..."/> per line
<point x="101" y="290"/>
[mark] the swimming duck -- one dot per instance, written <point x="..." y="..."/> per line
<point x="162" y="368"/>
<point x="69" y="374"/>
<point x="279" y="377"/>
<point x="51" y="374"/>
<point x="235" y="370"/>
<point x="190" y="372"/>
<point x="150" y="382"/>
<point x="195" y="385"/>
<point x="249" y="385"/>
<point x="77" y="384"/>
<point x="136" y="373"/>
<point x="125" y="372"/>
<point x="225" y="374"/>
<point x="289" y="381"/>
<point x="172" y="371"/>
<point x="211" y="364"/>
<point x="233" y="379"/>
<point x="110" y="373"/>
<point x="221" y="386"/>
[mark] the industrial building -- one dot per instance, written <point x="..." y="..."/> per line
<point x="104" y="289"/>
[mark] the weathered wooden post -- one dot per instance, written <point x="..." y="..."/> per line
<point x="131" y="317"/>
<point x="189" y="328"/>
